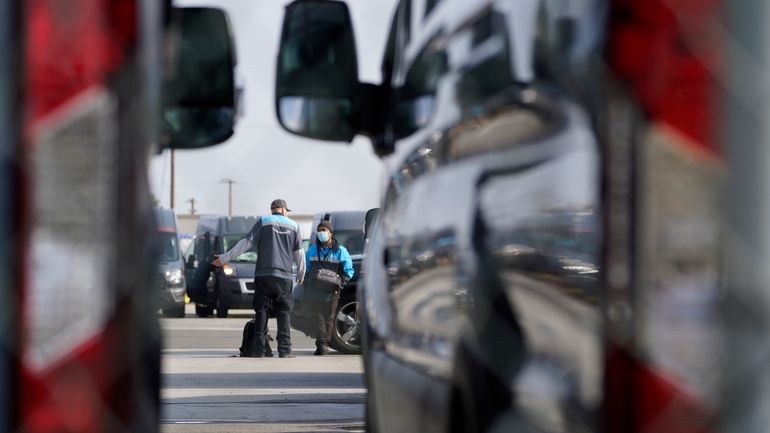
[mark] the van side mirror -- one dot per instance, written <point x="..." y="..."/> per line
<point x="317" y="71"/>
<point x="199" y="95"/>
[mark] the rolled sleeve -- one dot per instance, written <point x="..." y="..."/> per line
<point x="299" y="259"/>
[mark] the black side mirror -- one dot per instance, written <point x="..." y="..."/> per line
<point x="199" y="96"/>
<point x="317" y="71"/>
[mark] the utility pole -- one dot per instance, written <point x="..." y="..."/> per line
<point x="171" y="202"/>
<point x="229" y="183"/>
<point x="192" y="205"/>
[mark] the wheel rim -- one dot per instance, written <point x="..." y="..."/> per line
<point x="347" y="325"/>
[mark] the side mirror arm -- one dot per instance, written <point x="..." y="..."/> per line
<point x="373" y="108"/>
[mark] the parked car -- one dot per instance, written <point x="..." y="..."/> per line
<point x="230" y="286"/>
<point x="170" y="279"/>
<point x="547" y="255"/>
<point x="349" y="232"/>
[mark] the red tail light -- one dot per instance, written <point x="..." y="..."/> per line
<point x="73" y="45"/>
<point x="75" y="375"/>
<point x="641" y="400"/>
<point x="668" y="52"/>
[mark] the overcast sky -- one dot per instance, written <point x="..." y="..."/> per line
<point x="265" y="161"/>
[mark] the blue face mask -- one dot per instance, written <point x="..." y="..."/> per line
<point x="323" y="236"/>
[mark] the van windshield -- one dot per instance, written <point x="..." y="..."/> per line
<point x="169" y="246"/>
<point x="229" y="241"/>
<point x="352" y="240"/>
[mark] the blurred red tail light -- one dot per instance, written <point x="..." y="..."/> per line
<point x="641" y="400"/>
<point x="73" y="372"/>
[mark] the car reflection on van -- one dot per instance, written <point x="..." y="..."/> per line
<point x="231" y="286"/>
<point x="169" y="281"/>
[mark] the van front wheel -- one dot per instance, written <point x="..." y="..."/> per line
<point x="346" y="336"/>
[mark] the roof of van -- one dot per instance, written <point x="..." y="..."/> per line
<point x="342" y="220"/>
<point x="165" y="219"/>
<point x="225" y="225"/>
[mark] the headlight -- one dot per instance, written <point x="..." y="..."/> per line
<point x="228" y="270"/>
<point x="174" y="277"/>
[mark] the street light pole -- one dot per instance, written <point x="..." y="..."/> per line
<point x="229" y="183"/>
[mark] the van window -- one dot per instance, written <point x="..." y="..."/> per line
<point x="229" y="241"/>
<point x="429" y="5"/>
<point x="406" y="20"/>
<point x="169" y="248"/>
<point x="479" y="83"/>
<point x="416" y="98"/>
<point x="203" y="245"/>
<point x="189" y="251"/>
<point x="352" y="240"/>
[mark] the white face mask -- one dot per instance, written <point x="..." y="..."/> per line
<point x="323" y="236"/>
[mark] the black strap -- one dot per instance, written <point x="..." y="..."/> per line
<point x="318" y="254"/>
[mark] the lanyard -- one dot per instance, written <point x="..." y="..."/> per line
<point x="325" y="257"/>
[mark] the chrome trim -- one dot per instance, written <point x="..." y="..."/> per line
<point x="242" y="282"/>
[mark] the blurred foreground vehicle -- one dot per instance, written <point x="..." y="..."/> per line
<point x="554" y="251"/>
<point x="169" y="280"/>
<point x="349" y="232"/>
<point x="81" y="103"/>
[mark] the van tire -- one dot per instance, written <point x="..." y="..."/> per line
<point x="347" y="308"/>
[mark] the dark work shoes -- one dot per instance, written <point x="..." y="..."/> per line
<point x="321" y="350"/>
<point x="286" y="355"/>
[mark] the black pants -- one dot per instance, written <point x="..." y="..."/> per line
<point x="323" y="312"/>
<point x="278" y="291"/>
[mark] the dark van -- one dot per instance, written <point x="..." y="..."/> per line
<point x="169" y="281"/>
<point x="348" y="230"/>
<point x="230" y="286"/>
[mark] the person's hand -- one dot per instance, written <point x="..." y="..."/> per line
<point x="300" y="282"/>
<point x="217" y="262"/>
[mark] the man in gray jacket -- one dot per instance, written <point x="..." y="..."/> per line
<point x="278" y="243"/>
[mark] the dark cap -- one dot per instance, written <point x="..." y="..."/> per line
<point x="325" y="224"/>
<point x="279" y="203"/>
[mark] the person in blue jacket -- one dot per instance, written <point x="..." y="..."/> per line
<point x="326" y="253"/>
